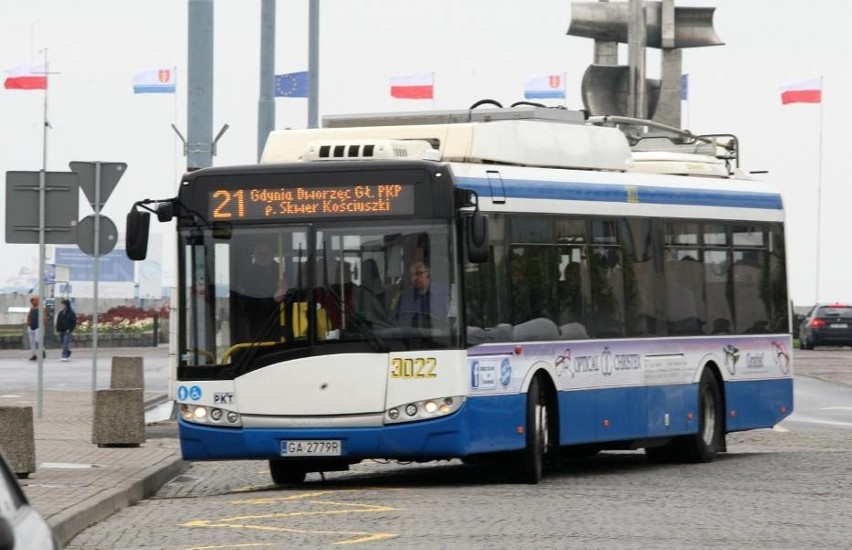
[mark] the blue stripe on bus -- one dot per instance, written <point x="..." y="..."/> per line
<point x="491" y="423"/>
<point x="576" y="191"/>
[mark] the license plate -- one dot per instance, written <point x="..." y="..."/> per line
<point x="839" y="325"/>
<point x="311" y="447"/>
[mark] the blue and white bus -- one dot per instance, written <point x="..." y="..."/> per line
<point x="512" y="284"/>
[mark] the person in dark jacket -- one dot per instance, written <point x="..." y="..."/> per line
<point x="33" y="328"/>
<point x="66" y="322"/>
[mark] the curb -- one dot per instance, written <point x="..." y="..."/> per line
<point x="69" y="523"/>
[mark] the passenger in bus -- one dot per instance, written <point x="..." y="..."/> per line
<point x="421" y="304"/>
<point x="682" y="313"/>
<point x="371" y="298"/>
<point x="262" y="290"/>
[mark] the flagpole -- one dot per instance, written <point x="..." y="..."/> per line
<point x="44" y="126"/>
<point x="819" y="198"/>
<point x="433" y="90"/>
<point x="175" y="169"/>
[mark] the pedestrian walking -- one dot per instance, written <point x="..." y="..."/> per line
<point x="33" y="328"/>
<point x="66" y="322"/>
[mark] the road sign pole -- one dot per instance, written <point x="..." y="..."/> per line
<point x="42" y="184"/>
<point x="96" y="270"/>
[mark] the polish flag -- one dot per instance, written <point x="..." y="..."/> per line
<point x="805" y="91"/>
<point x="26" y="77"/>
<point x="413" y="86"/>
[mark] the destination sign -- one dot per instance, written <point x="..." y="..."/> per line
<point x="261" y="203"/>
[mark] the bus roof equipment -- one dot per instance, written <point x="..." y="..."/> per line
<point x="522" y="135"/>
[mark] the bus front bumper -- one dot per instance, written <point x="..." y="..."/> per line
<point x="481" y="425"/>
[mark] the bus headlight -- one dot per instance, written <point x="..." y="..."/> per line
<point x="423" y="410"/>
<point x="211" y="416"/>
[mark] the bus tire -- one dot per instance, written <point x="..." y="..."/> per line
<point x="284" y="472"/>
<point x="531" y="458"/>
<point x="703" y="445"/>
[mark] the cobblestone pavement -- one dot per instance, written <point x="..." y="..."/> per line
<point x="774" y="489"/>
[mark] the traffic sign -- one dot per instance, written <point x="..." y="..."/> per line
<point x="111" y="172"/>
<point x="61" y="207"/>
<point x="86" y="235"/>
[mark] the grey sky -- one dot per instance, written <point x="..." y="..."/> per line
<point x="477" y="49"/>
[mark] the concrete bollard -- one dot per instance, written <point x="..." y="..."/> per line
<point x="17" y="439"/>
<point x="119" y="418"/>
<point x="127" y="373"/>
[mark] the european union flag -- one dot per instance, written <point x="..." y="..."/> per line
<point x="292" y="84"/>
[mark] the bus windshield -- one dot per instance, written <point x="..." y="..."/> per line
<point x="273" y="288"/>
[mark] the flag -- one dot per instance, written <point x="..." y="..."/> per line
<point x="684" y="87"/>
<point x="154" y="81"/>
<point x="805" y="91"/>
<point x="413" y="86"/>
<point x="292" y="84"/>
<point x="26" y="77"/>
<point x="545" y="86"/>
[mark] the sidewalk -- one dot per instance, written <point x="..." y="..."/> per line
<point x="76" y="483"/>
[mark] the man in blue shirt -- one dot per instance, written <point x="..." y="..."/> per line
<point x="421" y="304"/>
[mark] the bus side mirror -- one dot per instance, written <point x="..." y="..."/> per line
<point x="165" y="211"/>
<point x="136" y="234"/>
<point x="477" y="238"/>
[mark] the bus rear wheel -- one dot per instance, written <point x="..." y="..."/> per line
<point x="703" y="445"/>
<point x="531" y="459"/>
<point x="709" y="440"/>
<point x="284" y="472"/>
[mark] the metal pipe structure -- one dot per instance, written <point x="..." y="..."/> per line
<point x="266" y="101"/>
<point x="199" y="93"/>
<point x="313" y="64"/>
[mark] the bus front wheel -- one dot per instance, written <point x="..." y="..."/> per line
<point x="531" y="459"/>
<point x="286" y="473"/>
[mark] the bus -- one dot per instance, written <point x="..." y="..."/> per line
<point x="512" y="285"/>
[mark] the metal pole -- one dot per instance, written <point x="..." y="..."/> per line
<point x="96" y="270"/>
<point x="637" y="33"/>
<point x="266" y="102"/>
<point x="313" y="64"/>
<point x="42" y="319"/>
<point x="42" y="183"/>
<point x="819" y="201"/>
<point x="200" y="84"/>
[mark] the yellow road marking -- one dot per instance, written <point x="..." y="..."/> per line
<point x="246" y="545"/>
<point x="358" y="537"/>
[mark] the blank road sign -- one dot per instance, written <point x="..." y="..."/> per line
<point x="107" y="235"/>
<point x="61" y="207"/>
<point x="111" y="172"/>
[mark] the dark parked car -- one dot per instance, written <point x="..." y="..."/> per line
<point x="21" y="527"/>
<point x="826" y="325"/>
